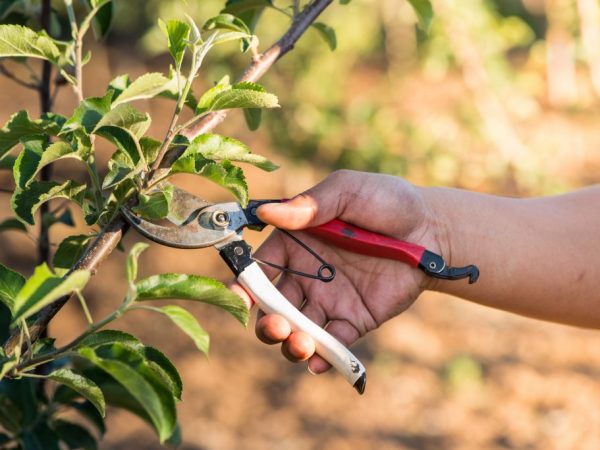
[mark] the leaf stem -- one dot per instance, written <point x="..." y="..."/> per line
<point x="85" y="308"/>
<point x="62" y="351"/>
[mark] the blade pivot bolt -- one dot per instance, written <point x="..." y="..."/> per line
<point x="220" y="219"/>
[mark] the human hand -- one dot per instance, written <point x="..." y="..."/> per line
<point x="366" y="291"/>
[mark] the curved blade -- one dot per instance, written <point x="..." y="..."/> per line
<point x="197" y="231"/>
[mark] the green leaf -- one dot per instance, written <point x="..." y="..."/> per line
<point x="127" y="118"/>
<point x="11" y="283"/>
<point x="214" y="146"/>
<point x="247" y="10"/>
<point x="189" y="325"/>
<point x="12" y="224"/>
<point x="25" y="202"/>
<point x="134" y="374"/>
<point x="192" y="287"/>
<point x="75" y="436"/>
<point x="22" y="395"/>
<point x="132" y="260"/>
<point x="327" y="33"/>
<point x="120" y="168"/>
<point x="44" y="288"/>
<point x="240" y="95"/>
<point x="105" y="337"/>
<point x="69" y="251"/>
<point x="147" y="86"/>
<point x="8" y="162"/>
<point x="89" y="113"/>
<point x="178" y="34"/>
<point x="156" y="205"/>
<point x="224" y="174"/>
<point x="37" y="154"/>
<point x="253" y="117"/>
<point x="84" y="386"/>
<point x="226" y="22"/>
<point x="424" y="12"/>
<point x="150" y="148"/>
<point x="103" y="12"/>
<point x="20" y="126"/>
<point x="19" y="41"/>
<point x="89" y="411"/>
<point x="208" y="98"/>
<point x="165" y="369"/>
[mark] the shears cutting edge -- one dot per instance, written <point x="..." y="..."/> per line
<point x="198" y="223"/>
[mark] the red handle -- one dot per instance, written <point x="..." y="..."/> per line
<point x="358" y="240"/>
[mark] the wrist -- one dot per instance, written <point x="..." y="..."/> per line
<point x="438" y="228"/>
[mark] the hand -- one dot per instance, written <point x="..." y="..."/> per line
<point x="366" y="291"/>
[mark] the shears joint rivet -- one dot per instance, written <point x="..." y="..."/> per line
<point x="220" y="218"/>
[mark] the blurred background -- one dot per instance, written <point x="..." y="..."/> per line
<point x="500" y="96"/>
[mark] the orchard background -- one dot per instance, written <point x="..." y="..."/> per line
<point x="500" y="96"/>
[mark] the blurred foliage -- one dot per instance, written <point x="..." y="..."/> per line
<point x="463" y="104"/>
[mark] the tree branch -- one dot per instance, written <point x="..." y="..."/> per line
<point x="110" y="236"/>
<point x="8" y="74"/>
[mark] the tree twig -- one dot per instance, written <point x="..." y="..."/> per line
<point x="112" y="233"/>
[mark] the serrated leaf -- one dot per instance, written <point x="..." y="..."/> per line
<point x="240" y="95"/>
<point x="155" y="205"/>
<point x="208" y="98"/>
<point x="165" y="369"/>
<point x="19" y="41"/>
<point x="11" y="283"/>
<point x="120" y="168"/>
<point x="147" y="86"/>
<point x="189" y="325"/>
<point x="103" y="12"/>
<point x="12" y="224"/>
<point x="192" y="287"/>
<point x="84" y="386"/>
<point x="69" y="251"/>
<point x="89" y="113"/>
<point x="226" y="22"/>
<point x="25" y="202"/>
<point x="247" y="10"/>
<point x="132" y="260"/>
<point x="20" y="126"/>
<point x="214" y="146"/>
<point x="150" y="148"/>
<point x="424" y="12"/>
<point x="104" y="337"/>
<point x="327" y="33"/>
<point x="131" y="372"/>
<point x="126" y="117"/>
<point x="224" y="173"/>
<point x="37" y="154"/>
<point x="74" y="435"/>
<point x="178" y="34"/>
<point x="44" y="288"/>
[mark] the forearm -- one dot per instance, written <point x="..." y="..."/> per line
<point x="538" y="257"/>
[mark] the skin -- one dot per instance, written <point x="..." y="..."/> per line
<point x="538" y="257"/>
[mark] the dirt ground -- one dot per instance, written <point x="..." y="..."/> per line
<point x="445" y="375"/>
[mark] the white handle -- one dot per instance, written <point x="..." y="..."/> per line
<point x="270" y="300"/>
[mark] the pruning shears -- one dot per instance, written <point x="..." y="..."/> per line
<point x="198" y="223"/>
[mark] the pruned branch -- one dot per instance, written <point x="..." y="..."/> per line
<point x="112" y="233"/>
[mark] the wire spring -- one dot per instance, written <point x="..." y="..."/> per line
<point x="321" y="274"/>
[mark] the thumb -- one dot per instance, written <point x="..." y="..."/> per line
<point x="314" y="207"/>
